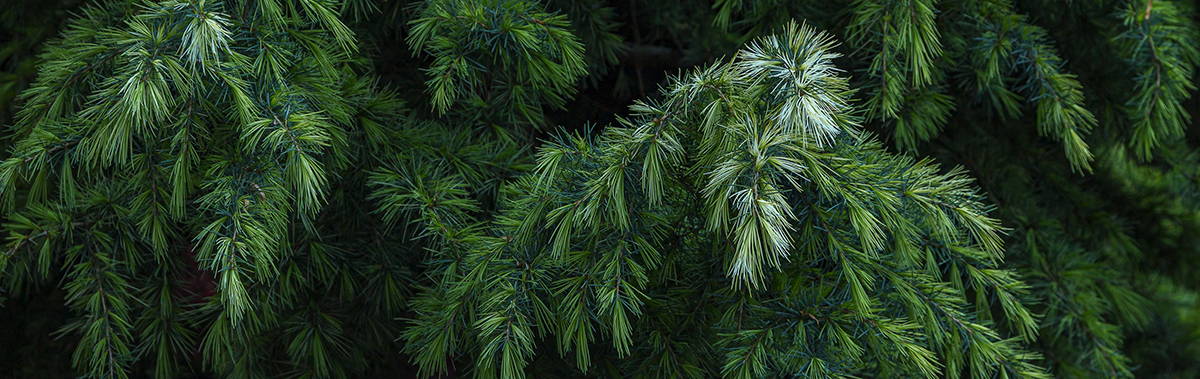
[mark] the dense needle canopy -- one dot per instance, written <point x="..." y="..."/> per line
<point x="599" y="188"/>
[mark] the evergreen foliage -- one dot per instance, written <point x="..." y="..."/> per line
<point x="530" y="55"/>
<point x="602" y="230"/>
<point x="361" y="188"/>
